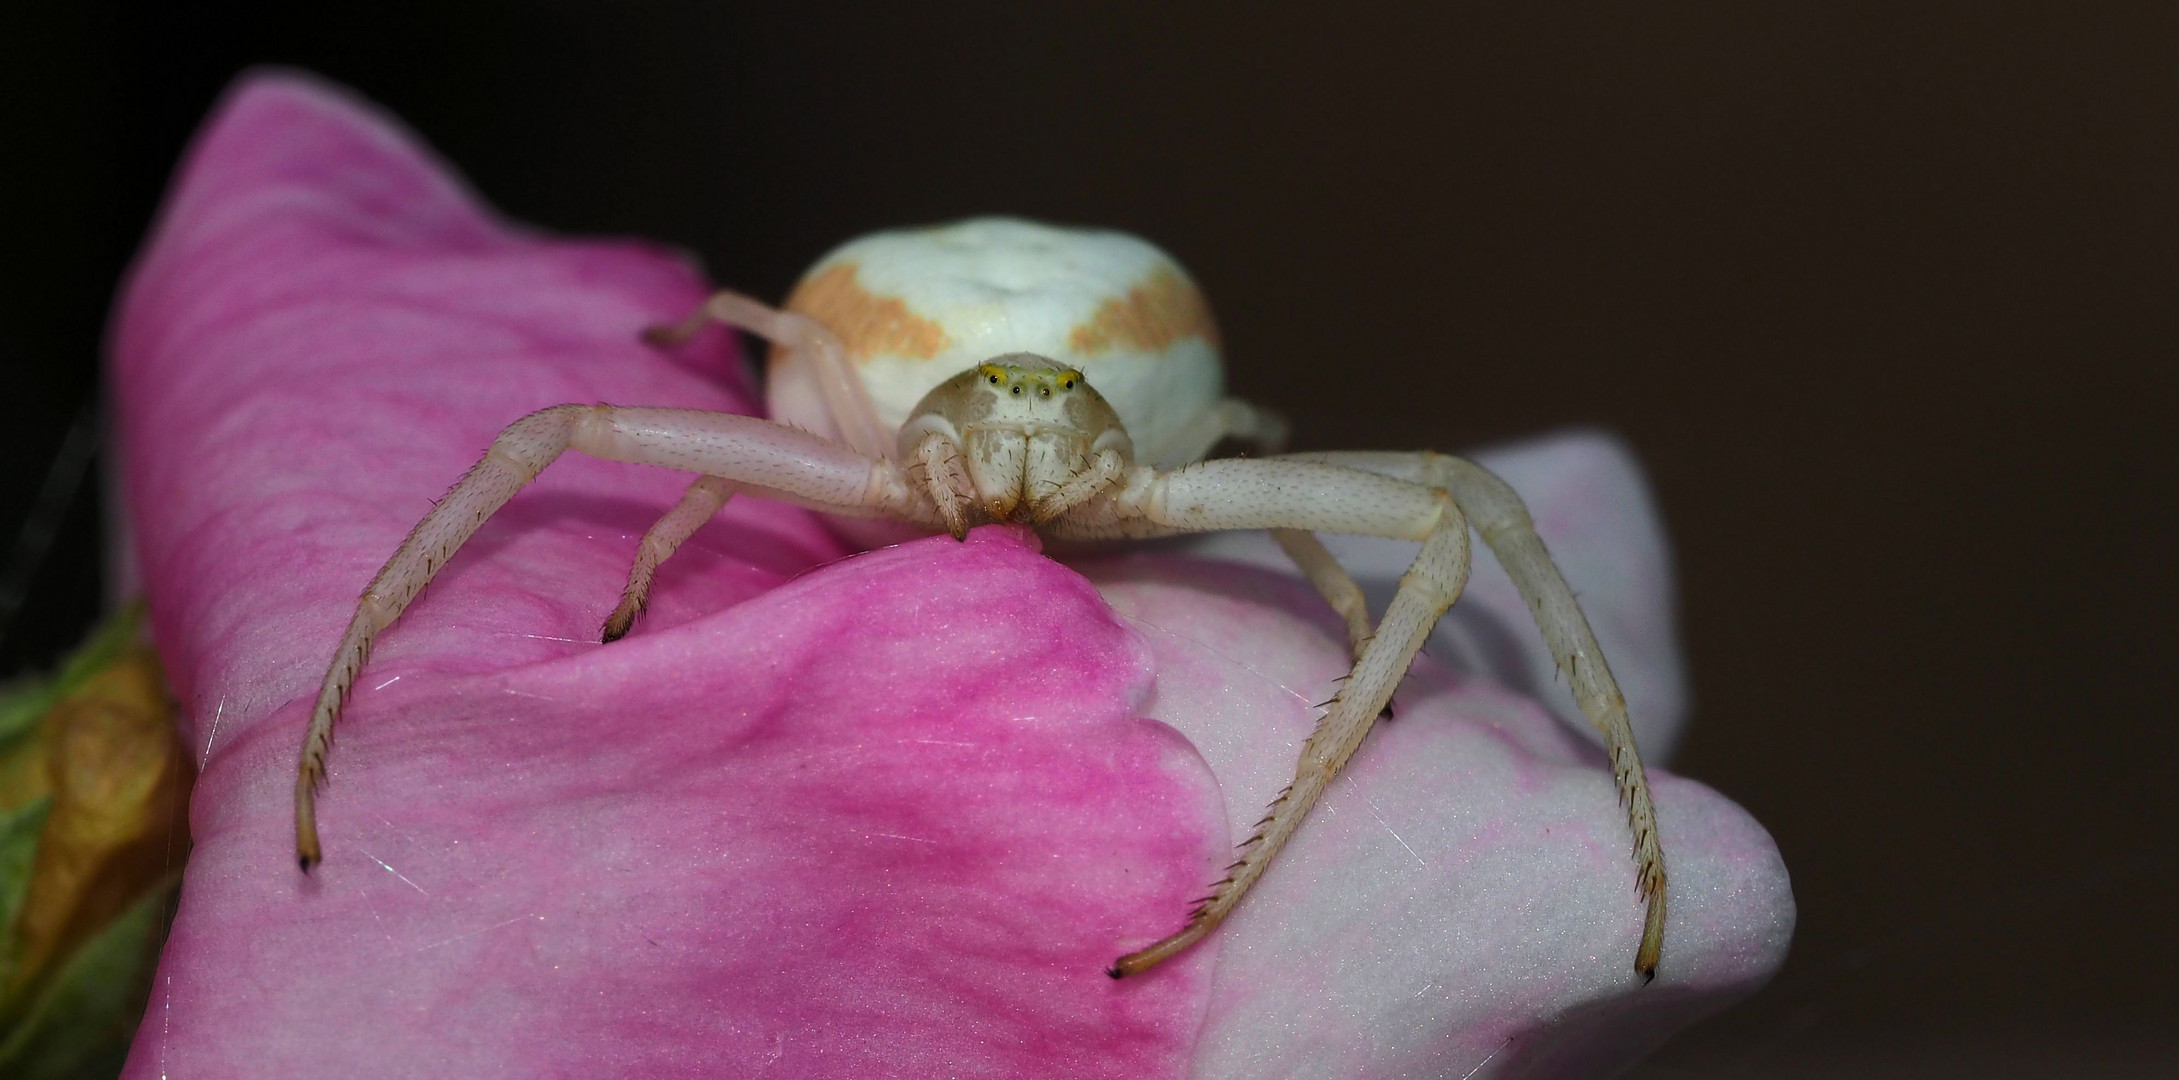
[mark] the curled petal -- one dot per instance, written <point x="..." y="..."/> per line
<point x="887" y="817"/>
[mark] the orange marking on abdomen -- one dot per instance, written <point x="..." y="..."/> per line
<point x="868" y="324"/>
<point x="1164" y="309"/>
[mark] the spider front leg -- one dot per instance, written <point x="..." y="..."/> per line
<point x="698" y="504"/>
<point x="1332" y="581"/>
<point x="1265" y="432"/>
<point x="751" y="455"/>
<point x="943" y="476"/>
<point x="1106" y="468"/>
<point x="1243" y="494"/>
<point x="845" y="396"/>
<point x="1502" y="519"/>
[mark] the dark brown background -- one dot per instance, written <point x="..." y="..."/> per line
<point x="1882" y="297"/>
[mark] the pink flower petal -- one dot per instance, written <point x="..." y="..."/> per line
<point x="891" y="818"/>
<point x="886" y="818"/>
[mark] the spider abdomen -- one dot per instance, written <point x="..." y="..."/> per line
<point x="916" y="307"/>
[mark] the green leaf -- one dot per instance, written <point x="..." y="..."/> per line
<point x="22" y="702"/>
<point x="25" y="701"/>
<point x="18" y="850"/>
<point x="80" y="1025"/>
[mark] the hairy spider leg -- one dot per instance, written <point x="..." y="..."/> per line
<point x="1299" y="496"/>
<point x="1503" y="521"/>
<point x="845" y="396"/>
<point x="846" y="400"/>
<point x="1332" y="581"/>
<point x="752" y="455"/>
<point x="698" y="504"/>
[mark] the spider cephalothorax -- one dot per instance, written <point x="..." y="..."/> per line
<point x="942" y="377"/>
<point x="1017" y="438"/>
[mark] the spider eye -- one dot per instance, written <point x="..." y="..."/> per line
<point x="1067" y="383"/>
<point x="1017" y="391"/>
<point x="994" y="380"/>
<point x="1044" y="391"/>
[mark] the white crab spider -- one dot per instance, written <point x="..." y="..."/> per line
<point x="942" y="378"/>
